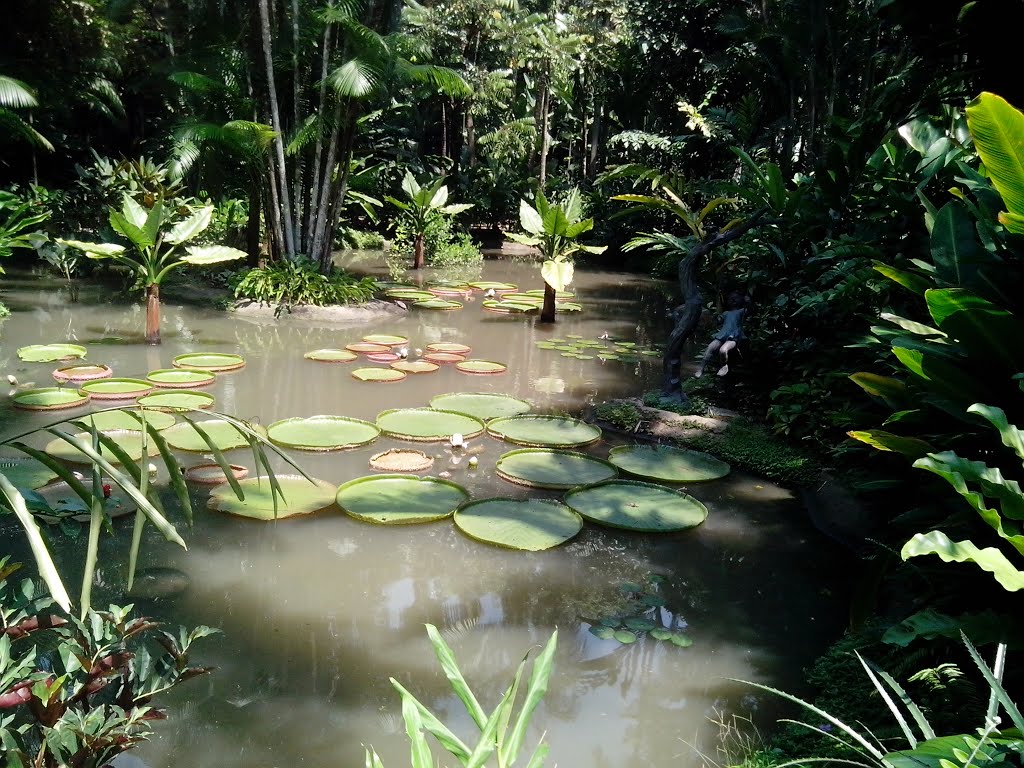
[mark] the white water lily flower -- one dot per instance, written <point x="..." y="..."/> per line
<point x="457" y="440"/>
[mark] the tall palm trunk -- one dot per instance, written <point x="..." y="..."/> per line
<point x="153" y="314"/>
<point x="417" y="251"/>
<point x="547" y="313"/>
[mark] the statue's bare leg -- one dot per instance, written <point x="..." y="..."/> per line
<point x="726" y="348"/>
<point x="713" y="347"/>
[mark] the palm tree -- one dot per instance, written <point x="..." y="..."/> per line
<point x="15" y="94"/>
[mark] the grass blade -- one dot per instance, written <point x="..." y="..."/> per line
<point x="995" y="686"/>
<point x="218" y="456"/>
<point x="540" y="754"/>
<point x="95" y="524"/>
<point x="455" y="678"/>
<point x="927" y="732"/>
<point x="420" y="750"/>
<point x="173" y="467"/>
<point x="506" y="715"/>
<point x="133" y="553"/>
<point x="838" y="739"/>
<point x="534" y="693"/>
<point x="485" y="747"/>
<point x="439" y="730"/>
<point x="896" y="713"/>
<point x="57" y="468"/>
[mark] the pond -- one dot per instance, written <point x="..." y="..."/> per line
<point x="318" y="612"/>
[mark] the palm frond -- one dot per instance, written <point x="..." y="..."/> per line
<point x="196" y="82"/>
<point x="341" y="11"/>
<point x="355" y="79"/>
<point x="14" y="93"/>
<point x="659" y="241"/>
<point x="446" y="80"/>
<point x="13" y="125"/>
<point x="304" y="135"/>
<point x="104" y="92"/>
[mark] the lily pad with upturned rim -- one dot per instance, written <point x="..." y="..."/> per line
<point x="322" y="433"/>
<point x="83" y="372"/>
<point x="301" y="497"/>
<point x="637" y="506"/>
<point x="509" y="307"/>
<point x="331" y="355"/>
<point x="553" y="469"/>
<point x="544" y="431"/>
<point x="400" y="499"/>
<point x="492" y="285"/>
<point x="427" y="424"/>
<point x="181" y="378"/>
<point x="225" y="435"/>
<point x="480" y="405"/>
<point x="415" y="366"/>
<point x="125" y="420"/>
<point x="366" y="348"/>
<point x="213" y="474"/>
<point x="443" y="358"/>
<point x="530" y="525"/>
<point x="50" y="353"/>
<point x="25" y="472"/>
<point x="453" y="347"/>
<point x="176" y="400"/>
<point x="380" y="375"/>
<point x="437" y="304"/>
<point x="481" y="367"/>
<point x="401" y="460"/>
<point x="409" y="294"/>
<point x="386" y="339"/>
<point x="209" y="361"/>
<point x="130" y="441"/>
<point x="383" y="357"/>
<point x="667" y="464"/>
<point x="50" y="399"/>
<point x="117" y="389"/>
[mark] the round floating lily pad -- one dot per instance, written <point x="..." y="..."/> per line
<point x="427" y="424"/>
<point x="401" y="460"/>
<point x="481" y="367"/>
<point x="225" y="435"/>
<point x="65" y="503"/>
<point x="176" y="401"/>
<point x="383" y="375"/>
<point x="300" y="497"/>
<point x="409" y="294"/>
<point x="509" y="307"/>
<point x="624" y="636"/>
<point x="660" y="633"/>
<point x="400" y="499"/>
<point x="386" y="339"/>
<point x="453" y="285"/>
<point x="331" y="356"/>
<point x="322" y="433"/>
<point x="544" y="431"/>
<point x="546" y="345"/>
<point x="449" y="346"/>
<point x="25" y="472"/>
<point x="681" y="640"/>
<point x="50" y="399"/>
<point x="490" y="285"/>
<point x="212" y="474"/>
<point x="524" y="298"/>
<point x="383" y="357"/>
<point x="445" y="292"/>
<point x="673" y="465"/>
<point x="415" y="366"/>
<point x="49" y="353"/>
<point x="639" y="623"/>
<point x="126" y="419"/>
<point x="637" y="506"/>
<point x="181" y="378"/>
<point x="604" y="633"/>
<point x="480" y="405"/>
<point x="437" y="304"/>
<point x="129" y="440"/>
<point x="365" y="347"/>
<point x="568" y="306"/>
<point x="527" y="524"/>
<point x="209" y="361"/>
<point x="117" y="389"/>
<point x="553" y="469"/>
<point x="608" y="356"/>
<point x="442" y="358"/>
<point x="83" y="372"/>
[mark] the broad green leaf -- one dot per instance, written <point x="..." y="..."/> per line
<point x="987" y="331"/>
<point x="94" y="250"/>
<point x="1011" y="436"/>
<point x="211" y="254"/>
<point x="538" y="687"/>
<point x="456" y="208"/>
<point x="154" y="221"/>
<point x="919" y="329"/>
<point x="577" y="229"/>
<point x="989" y="559"/>
<point x="557" y="273"/>
<point x="998" y="132"/>
<point x="440" y="731"/>
<point x="955" y="249"/>
<point x="409" y="185"/>
<point x="1014" y="222"/>
<point x="420" y="750"/>
<point x="887" y="441"/>
<point x="136" y="235"/>
<point x="910" y="281"/>
<point x="455" y="678"/>
<point x="439" y="198"/>
<point x="134" y="212"/>
<point x="185" y="230"/>
<point x="529" y="219"/>
<point x="523" y="239"/>
<point x="892" y="391"/>
<point x="555" y="221"/>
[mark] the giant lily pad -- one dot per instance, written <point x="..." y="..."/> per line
<point x="427" y="424"/>
<point x="83" y="372"/>
<point x="527" y="524"/>
<point x="438" y="303"/>
<point x="176" y="401"/>
<point x="50" y="399"/>
<point x="331" y="355"/>
<point x="49" y="353"/>
<point x="480" y="405"/>
<point x="65" y="504"/>
<point x="544" y="431"/>
<point x="300" y="497"/>
<point x="213" y="474"/>
<point x="322" y="433"/>
<point x="126" y="419"/>
<point x="117" y="389"/>
<point x="386" y="339"/>
<point x="442" y="358"/>
<point x="129" y="440"/>
<point x="554" y="469"/>
<point x="400" y="499"/>
<point x="25" y="472"/>
<point x="509" y="307"/>
<point x="673" y="465"/>
<point x="481" y="367"/>
<point x="383" y="357"/>
<point x="490" y="285"/>
<point x="415" y="366"/>
<point x="449" y="346"/>
<point x="401" y="460"/>
<point x="209" y="361"/>
<point x="181" y="378"/>
<point x="383" y="375"/>
<point x="409" y="294"/>
<point x="225" y="435"/>
<point x="365" y="347"/>
<point x="637" y="506"/>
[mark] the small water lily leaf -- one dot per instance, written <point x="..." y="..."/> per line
<point x="481" y="367"/>
<point x="639" y="623"/>
<point x="604" y="633"/>
<point x="400" y="499"/>
<point x="660" y="633"/>
<point x="611" y="621"/>
<point x="48" y="353"/>
<point x="82" y="372"/>
<point x="553" y="468"/>
<point x="213" y="474"/>
<point x="386" y="339"/>
<point x="383" y="375"/>
<point x="322" y="433"/>
<point x="367" y="348"/>
<point x="480" y="405"/>
<point x="449" y="346"/>
<point x="130" y="441"/>
<point x="209" y="361"/>
<point x="181" y="378"/>
<point x="331" y="355"/>
<point x="674" y="465"/>
<point x="427" y="424"/>
<point x="300" y="497"/>
<point x="637" y="506"/>
<point x="117" y="389"/>
<point x="50" y="399"/>
<point x="681" y="640"/>
<point x="544" y="431"/>
<point x="176" y="401"/>
<point x="527" y="524"/>
<point x="128" y="419"/>
<point x="568" y="306"/>
<point x="225" y="435"/>
<point x="625" y="637"/>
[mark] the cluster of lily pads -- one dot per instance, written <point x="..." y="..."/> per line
<point x="644" y="613"/>
<point x="505" y="298"/>
<point x="581" y="348"/>
<point x="394" y="350"/>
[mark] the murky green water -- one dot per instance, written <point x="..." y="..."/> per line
<point x="317" y="613"/>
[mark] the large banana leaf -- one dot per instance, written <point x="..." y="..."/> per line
<point x="998" y="131"/>
<point x="185" y="230"/>
<point x="955" y="249"/>
<point x="987" y="331"/>
<point x="211" y="254"/>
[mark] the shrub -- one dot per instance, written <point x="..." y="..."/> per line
<point x="359" y="239"/>
<point x="287" y="284"/>
<point x="754" y="449"/>
<point x="443" y="245"/>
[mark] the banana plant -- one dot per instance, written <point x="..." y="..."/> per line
<point x="18" y="220"/>
<point x="552" y="229"/>
<point x="157" y="239"/>
<point x="424" y="204"/>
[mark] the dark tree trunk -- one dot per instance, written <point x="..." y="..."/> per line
<point x="547" y="312"/>
<point x="252" y="225"/>
<point x="152" y="314"/>
<point x="417" y="253"/>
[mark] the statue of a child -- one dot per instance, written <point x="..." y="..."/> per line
<point x="730" y="333"/>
